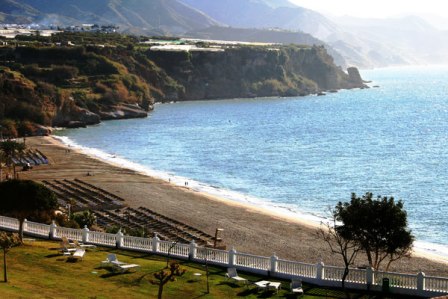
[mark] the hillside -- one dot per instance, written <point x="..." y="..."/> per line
<point x="111" y="76"/>
<point x="171" y="16"/>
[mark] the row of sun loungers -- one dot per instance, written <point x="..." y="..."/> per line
<point x="31" y="157"/>
<point x="109" y="211"/>
<point x="81" y="196"/>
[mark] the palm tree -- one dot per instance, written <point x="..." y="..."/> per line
<point x="11" y="150"/>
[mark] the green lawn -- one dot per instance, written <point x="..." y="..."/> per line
<point x="37" y="270"/>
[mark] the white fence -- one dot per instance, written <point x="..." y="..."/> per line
<point x="318" y="274"/>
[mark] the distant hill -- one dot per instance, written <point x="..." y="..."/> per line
<point x="170" y="16"/>
<point x="411" y="37"/>
<point x="263" y="14"/>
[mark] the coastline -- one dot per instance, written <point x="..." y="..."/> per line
<point x="248" y="228"/>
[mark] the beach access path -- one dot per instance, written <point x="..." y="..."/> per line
<point x="246" y="228"/>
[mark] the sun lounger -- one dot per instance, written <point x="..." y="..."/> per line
<point x="77" y="255"/>
<point x="84" y="246"/>
<point x="232" y="274"/>
<point x="116" y="265"/>
<point x="66" y="248"/>
<point x="296" y="287"/>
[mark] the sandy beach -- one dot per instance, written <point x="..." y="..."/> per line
<point x="247" y="228"/>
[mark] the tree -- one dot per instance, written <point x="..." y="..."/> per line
<point x="84" y="218"/>
<point x="378" y="226"/>
<point x="163" y="276"/>
<point x="26" y="200"/>
<point x="7" y="241"/>
<point x="11" y="150"/>
<point x="346" y="248"/>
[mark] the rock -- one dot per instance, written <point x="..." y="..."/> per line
<point x="75" y="124"/>
<point x="123" y="112"/>
<point x="42" y="130"/>
<point x="87" y="117"/>
<point x="354" y="76"/>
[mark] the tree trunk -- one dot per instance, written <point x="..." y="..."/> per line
<point x="4" y="266"/>
<point x="21" y="221"/>
<point x="159" y="295"/>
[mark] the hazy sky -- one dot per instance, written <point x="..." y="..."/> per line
<point x="377" y="8"/>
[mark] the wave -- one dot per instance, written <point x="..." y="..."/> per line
<point x="289" y="211"/>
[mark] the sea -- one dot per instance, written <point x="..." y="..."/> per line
<point x="301" y="155"/>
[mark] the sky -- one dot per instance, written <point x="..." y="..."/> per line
<point x="377" y="8"/>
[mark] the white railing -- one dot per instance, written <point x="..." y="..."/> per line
<point x="296" y="268"/>
<point x="403" y="281"/>
<point x="141" y="244"/>
<point x="212" y="255"/>
<point x="69" y="233"/>
<point x="37" y="229"/>
<point x="9" y="223"/>
<point x="174" y="249"/>
<point x="99" y="238"/>
<point x="436" y="284"/>
<point x="318" y="274"/>
<point x="336" y="274"/>
<point x="252" y="261"/>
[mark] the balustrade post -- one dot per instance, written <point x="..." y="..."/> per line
<point x="320" y="271"/>
<point x="119" y="239"/>
<point x="274" y="260"/>
<point x="232" y="256"/>
<point x="421" y="281"/>
<point x="369" y="277"/>
<point x="25" y="225"/>
<point x="53" y="228"/>
<point x="85" y="234"/>
<point x="193" y="250"/>
<point x="155" y="243"/>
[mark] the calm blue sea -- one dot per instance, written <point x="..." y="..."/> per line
<point x="302" y="154"/>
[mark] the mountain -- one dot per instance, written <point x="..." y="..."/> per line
<point x="411" y="37"/>
<point x="287" y="16"/>
<point x="263" y="14"/>
<point x="171" y="16"/>
<point x="365" y="43"/>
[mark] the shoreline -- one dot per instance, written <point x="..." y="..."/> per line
<point x="251" y="202"/>
<point x="245" y="225"/>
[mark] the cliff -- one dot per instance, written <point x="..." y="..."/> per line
<point x="248" y="71"/>
<point x="43" y="83"/>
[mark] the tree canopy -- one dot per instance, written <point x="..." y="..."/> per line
<point x="379" y="226"/>
<point x="26" y="199"/>
<point x="10" y="149"/>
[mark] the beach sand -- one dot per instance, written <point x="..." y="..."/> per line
<point x="247" y="228"/>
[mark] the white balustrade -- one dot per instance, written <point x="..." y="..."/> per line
<point x="436" y="284"/>
<point x="69" y="233"/>
<point x="100" y="238"/>
<point x="9" y="223"/>
<point x="37" y="229"/>
<point x="253" y="261"/>
<point x="404" y="281"/>
<point x="174" y="249"/>
<point x="213" y="255"/>
<point x="143" y="244"/>
<point x="336" y="274"/>
<point x="296" y="268"/>
<point x="231" y="258"/>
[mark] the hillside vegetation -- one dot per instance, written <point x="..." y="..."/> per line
<point x="78" y="79"/>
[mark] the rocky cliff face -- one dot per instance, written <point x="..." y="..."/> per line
<point x="76" y="87"/>
<point x="254" y="71"/>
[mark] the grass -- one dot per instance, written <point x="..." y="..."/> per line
<point x="37" y="270"/>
